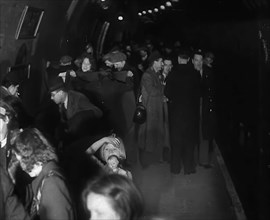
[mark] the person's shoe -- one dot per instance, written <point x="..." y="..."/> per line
<point x="208" y="166"/>
<point x="191" y="171"/>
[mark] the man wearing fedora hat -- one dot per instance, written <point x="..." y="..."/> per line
<point x="78" y="114"/>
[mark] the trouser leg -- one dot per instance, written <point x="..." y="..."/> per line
<point x="188" y="157"/>
<point x="176" y="146"/>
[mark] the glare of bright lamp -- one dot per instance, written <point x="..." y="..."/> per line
<point x="144" y="12"/>
<point x="150" y="11"/>
<point x="120" y="18"/>
<point x="162" y="7"/>
<point x="155" y="10"/>
<point x="168" y="4"/>
<point x="140" y="14"/>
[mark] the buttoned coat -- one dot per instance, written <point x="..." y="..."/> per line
<point x="209" y="120"/>
<point x="151" y="133"/>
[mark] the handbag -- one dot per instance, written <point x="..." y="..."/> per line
<point x="139" y="116"/>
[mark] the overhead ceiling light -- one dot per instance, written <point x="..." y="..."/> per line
<point x="168" y="4"/>
<point x="120" y="18"/>
<point x="162" y="7"/>
<point x="144" y="12"/>
<point x="140" y="14"/>
<point x="150" y="11"/>
<point x="155" y="9"/>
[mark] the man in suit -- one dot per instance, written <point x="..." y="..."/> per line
<point x="78" y="115"/>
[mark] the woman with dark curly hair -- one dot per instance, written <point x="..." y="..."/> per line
<point x="113" y="197"/>
<point x="51" y="198"/>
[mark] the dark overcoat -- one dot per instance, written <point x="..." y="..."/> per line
<point x="50" y="189"/>
<point x="209" y="120"/>
<point x="183" y="91"/>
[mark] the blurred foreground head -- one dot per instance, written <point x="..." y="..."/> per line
<point x="113" y="197"/>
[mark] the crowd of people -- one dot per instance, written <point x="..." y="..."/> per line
<point x="72" y="159"/>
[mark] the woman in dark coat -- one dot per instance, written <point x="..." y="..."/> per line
<point x="51" y="197"/>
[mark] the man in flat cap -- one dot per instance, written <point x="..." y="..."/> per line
<point x="120" y="94"/>
<point x="64" y="68"/>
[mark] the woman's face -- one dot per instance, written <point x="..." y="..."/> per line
<point x="36" y="169"/>
<point x="100" y="208"/>
<point x="158" y="64"/>
<point x="86" y="65"/>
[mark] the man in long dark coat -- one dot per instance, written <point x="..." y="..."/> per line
<point x="183" y="91"/>
<point x="208" y="114"/>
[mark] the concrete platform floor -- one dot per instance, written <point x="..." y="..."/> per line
<point x="206" y="195"/>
